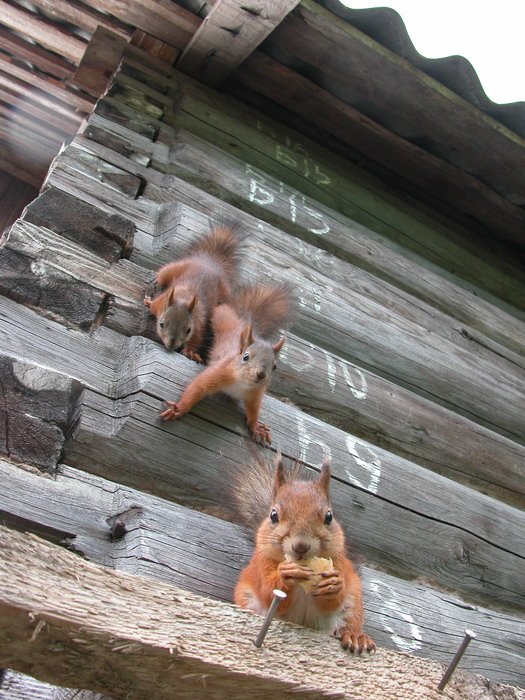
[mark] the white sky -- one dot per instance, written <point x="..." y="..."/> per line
<point x="489" y="33"/>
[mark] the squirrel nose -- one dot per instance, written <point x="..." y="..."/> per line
<point x="179" y="348"/>
<point x="261" y="374"/>
<point x="300" y="547"/>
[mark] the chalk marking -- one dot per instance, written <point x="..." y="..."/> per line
<point x="390" y="605"/>
<point x="305" y="440"/>
<point x="373" y="467"/>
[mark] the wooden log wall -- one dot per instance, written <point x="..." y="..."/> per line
<point x="408" y="373"/>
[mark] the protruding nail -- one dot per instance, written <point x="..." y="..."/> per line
<point x="455" y="661"/>
<point x="278" y="596"/>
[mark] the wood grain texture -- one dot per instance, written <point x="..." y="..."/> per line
<point x="159" y="625"/>
<point x="411" y="426"/>
<point x="158" y="539"/>
<point x="395" y="510"/>
<point x="309" y="34"/>
<point x="100" y="60"/>
<point x="228" y="34"/>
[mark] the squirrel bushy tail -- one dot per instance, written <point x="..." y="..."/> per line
<point x="251" y="488"/>
<point x="223" y="244"/>
<point x="267" y="308"/>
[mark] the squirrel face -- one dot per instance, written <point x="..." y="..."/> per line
<point x="300" y="524"/>
<point x="175" y="323"/>
<point x="257" y="358"/>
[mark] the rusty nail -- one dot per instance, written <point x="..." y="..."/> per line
<point x="277" y="597"/>
<point x="455" y="661"/>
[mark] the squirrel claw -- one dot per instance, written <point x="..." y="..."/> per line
<point x="261" y="433"/>
<point x="172" y="412"/>
<point x="356" y="643"/>
<point x="192" y="355"/>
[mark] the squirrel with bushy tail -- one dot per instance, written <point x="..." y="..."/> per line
<point x="299" y="549"/>
<point x="243" y="355"/>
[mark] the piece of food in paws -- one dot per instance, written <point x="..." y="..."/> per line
<point x="319" y="565"/>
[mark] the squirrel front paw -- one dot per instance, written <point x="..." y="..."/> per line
<point x="147" y="302"/>
<point x="192" y="355"/>
<point x="172" y="412"/>
<point x="356" y="643"/>
<point x="261" y="433"/>
<point x="329" y="586"/>
<point x="292" y="573"/>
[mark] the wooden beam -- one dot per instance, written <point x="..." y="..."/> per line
<point x="80" y="15"/>
<point x="48" y="85"/>
<point x="157" y="540"/>
<point x="133" y="634"/>
<point x="229" y="33"/>
<point x="64" y="126"/>
<point x="36" y="96"/>
<point x="163" y="19"/>
<point x="99" y="62"/>
<point x="155" y="47"/>
<point x="449" y="182"/>
<point x="44" y="32"/>
<point x="36" y="55"/>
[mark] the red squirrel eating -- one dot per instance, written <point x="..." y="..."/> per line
<point x="297" y="531"/>
<point x="241" y="359"/>
<point x="193" y="285"/>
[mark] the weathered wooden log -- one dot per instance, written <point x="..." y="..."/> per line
<point x="397" y="513"/>
<point x="142" y="534"/>
<point x="136" y="637"/>
<point x="161" y="230"/>
<point x="316" y="381"/>
<point x="17" y="686"/>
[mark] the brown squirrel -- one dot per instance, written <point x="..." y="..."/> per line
<point x="194" y="285"/>
<point x="298" y="527"/>
<point x="241" y="359"/>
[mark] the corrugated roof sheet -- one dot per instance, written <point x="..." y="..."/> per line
<point x="386" y="26"/>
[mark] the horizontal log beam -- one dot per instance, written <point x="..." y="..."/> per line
<point x="155" y="538"/>
<point x="39" y="57"/>
<point x="230" y="32"/>
<point x="177" y="636"/>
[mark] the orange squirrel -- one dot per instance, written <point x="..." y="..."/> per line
<point x="241" y="359"/>
<point x="194" y="285"/>
<point x="298" y="525"/>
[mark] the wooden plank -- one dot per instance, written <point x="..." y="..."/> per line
<point x="396" y="511"/>
<point x="161" y="18"/>
<point x="100" y="61"/>
<point x="405" y="100"/>
<point x="18" y="87"/>
<point x="18" y="686"/>
<point x="15" y="195"/>
<point x="455" y="383"/>
<point x="123" y="617"/>
<point x="80" y="15"/>
<point x="446" y="180"/>
<point x="19" y="119"/>
<point x="63" y="125"/>
<point x="424" y="432"/>
<point x="49" y="85"/>
<point x="159" y="541"/>
<point x="155" y="47"/>
<point x="44" y="32"/>
<point x="45" y="61"/>
<point x="35" y="408"/>
<point x="109" y="236"/>
<point x="229" y="33"/>
<point x="21" y="172"/>
<point x="39" y="264"/>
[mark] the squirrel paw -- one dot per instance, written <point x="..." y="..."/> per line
<point x="192" y="355"/>
<point x="172" y="412"/>
<point x="292" y="572"/>
<point x="261" y="433"/>
<point x="356" y="643"/>
<point x="147" y="302"/>
<point x="330" y="585"/>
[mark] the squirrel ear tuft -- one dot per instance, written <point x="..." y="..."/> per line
<point x="246" y="337"/>
<point x="279" y="344"/>
<point x="170" y="297"/>
<point x="280" y="475"/>
<point x="324" y="477"/>
<point x="191" y="303"/>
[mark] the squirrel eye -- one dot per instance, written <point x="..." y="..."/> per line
<point x="274" y="367"/>
<point x="274" y="517"/>
<point x="161" y="324"/>
<point x="246" y="357"/>
<point x="328" y="518"/>
<point x="188" y="331"/>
